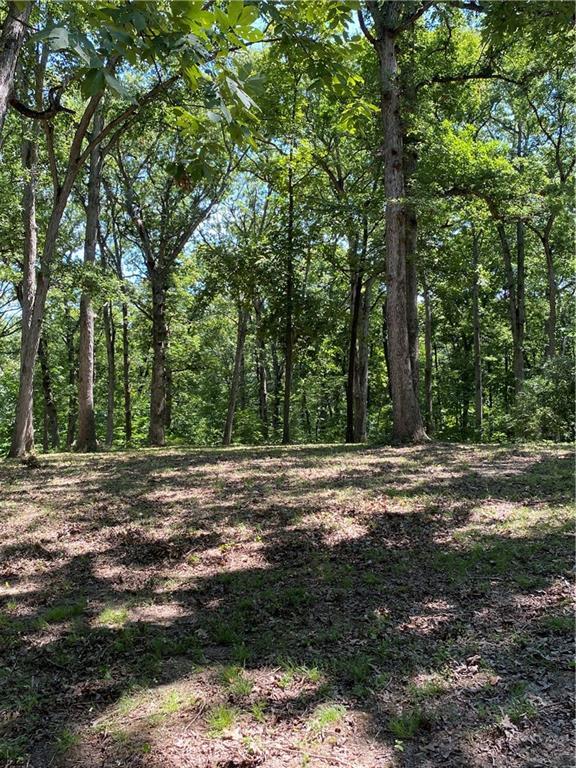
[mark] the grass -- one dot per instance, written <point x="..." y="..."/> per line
<point x="234" y="679"/>
<point x="361" y="581"/>
<point x="63" y="612"/>
<point x="221" y="718"/>
<point x="407" y="724"/>
<point x="113" y="616"/>
<point x="326" y="716"/>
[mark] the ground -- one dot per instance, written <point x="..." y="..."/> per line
<point x="288" y="607"/>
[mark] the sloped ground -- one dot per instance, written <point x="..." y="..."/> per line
<point x="312" y="606"/>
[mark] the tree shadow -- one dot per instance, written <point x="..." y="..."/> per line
<point x="434" y="642"/>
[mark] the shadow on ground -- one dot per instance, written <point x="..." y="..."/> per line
<point x="306" y="606"/>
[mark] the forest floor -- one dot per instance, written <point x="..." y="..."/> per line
<point x="308" y="606"/>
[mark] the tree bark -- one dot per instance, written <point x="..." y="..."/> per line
<point x="478" y="400"/>
<point x="110" y="335"/>
<point x="126" y="374"/>
<point x="428" y="364"/>
<point x="236" y="374"/>
<point x="355" y="300"/>
<point x="87" y="440"/>
<point x="52" y="435"/>
<point x="261" y="372"/>
<point x="407" y="421"/>
<point x="515" y="289"/>
<point x="289" y="327"/>
<point x="412" y="294"/>
<point x="361" y="367"/>
<point x="11" y="39"/>
<point x="551" y="295"/>
<point x="157" y="430"/>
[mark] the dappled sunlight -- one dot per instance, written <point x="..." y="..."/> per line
<point x="383" y="623"/>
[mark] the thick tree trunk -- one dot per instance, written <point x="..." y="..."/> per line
<point x="236" y="374"/>
<point x="126" y="374"/>
<point x="289" y="327"/>
<point x="11" y="39"/>
<point x="23" y="438"/>
<point x="87" y="441"/>
<point x="157" y="431"/>
<point x="407" y="421"/>
<point x="110" y="334"/>
<point x="361" y="368"/>
<point x="52" y="435"/>
<point x="428" y="362"/>
<point x="478" y="402"/>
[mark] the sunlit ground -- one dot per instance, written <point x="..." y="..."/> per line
<point x="310" y="606"/>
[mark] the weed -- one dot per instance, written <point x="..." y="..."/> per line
<point x="326" y="715"/>
<point x="221" y="718"/>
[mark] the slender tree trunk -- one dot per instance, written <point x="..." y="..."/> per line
<point x="236" y="374"/>
<point x="261" y="371"/>
<point x="277" y="372"/>
<point x="385" y="346"/>
<point x="126" y="374"/>
<point x="11" y="39"/>
<point x="478" y="402"/>
<point x="407" y="421"/>
<point x="289" y="328"/>
<point x="428" y="362"/>
<point x="52" y="438"/>
<point x="157" y="431"/>
<point x="551" y="293"/>
<point x="361" y="369"/>
<point x="355" y="300"/>
<point x="520" y="308"/>
<point x="87" y="441"/>
<point x="72" y="376"/>
<point x="110" y="334"/>
<point x="412" y="294"/>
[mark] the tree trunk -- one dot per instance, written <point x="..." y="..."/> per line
<point x="236" y="374"/>
<point x="157" y="431"/>
<point x="551" y="293"/>
<point x="110" y="334"/>
<point x="407" y="421"/>
<point x="52" y="437"/>
<point x="261" y="372"/>
<point x="11" y="39"/>
<point x="428" y="361"/>
<point x="355" y="300"/>
<point x="277" y="371"/>
<point x="386" y="347"/>
<point x="126" y="374"/>
<point x="87" y="441"/>
<point x="478" y="403"/>
<point x="412" y="294"/>
<point x="361" y="368"/>
<point x="289" y="328"/>
<point x="72" y="387"/>
<point x="520" y="308"/>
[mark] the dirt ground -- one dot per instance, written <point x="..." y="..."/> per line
<point x="288" y="608"/>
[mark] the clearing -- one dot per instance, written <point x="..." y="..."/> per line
<point x="308" y="606"/>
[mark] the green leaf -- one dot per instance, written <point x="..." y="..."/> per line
<point x="93" y="83"/>
<point x="117" y="86"/>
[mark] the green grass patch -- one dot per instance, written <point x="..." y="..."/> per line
<point x="325" y="716"/>
<point x="63" y="612"/>
<point x="221" y="718"/>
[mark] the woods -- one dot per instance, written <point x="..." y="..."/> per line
<point x="287" y="386"/>
<point x="401" y="163"/>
